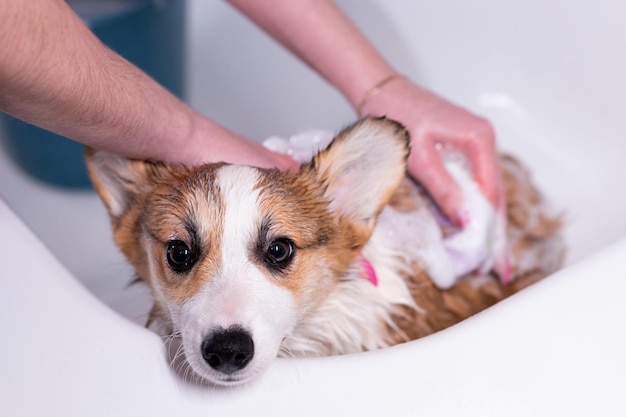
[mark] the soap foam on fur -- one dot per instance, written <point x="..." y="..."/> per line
<point x="352" y="201"/>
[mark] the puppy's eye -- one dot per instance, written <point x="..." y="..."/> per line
<point x="279" y="252"/>
<point x="179" y="256"/>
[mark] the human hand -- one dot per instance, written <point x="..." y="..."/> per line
<point x="438" y="127"/>
<point x="241" y="151"/>
<point x="210" y="143"/>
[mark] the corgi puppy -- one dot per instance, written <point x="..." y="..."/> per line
<point x="247" y="264"/>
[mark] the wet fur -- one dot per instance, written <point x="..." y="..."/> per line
<point x="330" y="210"/>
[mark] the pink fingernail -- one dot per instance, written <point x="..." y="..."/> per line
<point x="462" y="219"/>
<point x="505" y="276"/>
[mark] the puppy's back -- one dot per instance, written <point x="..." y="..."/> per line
<point x="537" y="250"/>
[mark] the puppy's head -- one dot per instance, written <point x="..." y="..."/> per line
<point x="236" y="256"/>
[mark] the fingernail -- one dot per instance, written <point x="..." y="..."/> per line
<point x="462" y="219"/>
<point x="505" y="274"/>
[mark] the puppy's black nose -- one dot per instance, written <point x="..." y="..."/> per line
<point x="228" y="350"/>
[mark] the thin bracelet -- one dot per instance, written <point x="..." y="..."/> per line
<point x="369" y="94"/>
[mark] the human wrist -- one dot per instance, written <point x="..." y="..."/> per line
<point x="355" y="87"/>
<point x="373" y="91"/>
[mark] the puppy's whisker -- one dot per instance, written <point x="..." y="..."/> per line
<point x="168" y="338"/>
<point x="286" y="349"/>
<point x="176" y="360"/>
<point x="287" y="352"/>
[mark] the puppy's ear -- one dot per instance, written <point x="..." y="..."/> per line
<point x="118" y="180"/>
<point x="362" y="167"/>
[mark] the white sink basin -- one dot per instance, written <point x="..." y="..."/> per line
<point x="548" y="74"/>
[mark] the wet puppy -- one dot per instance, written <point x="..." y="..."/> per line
<point x="246" y="264"/>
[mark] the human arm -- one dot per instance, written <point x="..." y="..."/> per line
<point x="321" y="35"/>
<point x="56" y="74"/>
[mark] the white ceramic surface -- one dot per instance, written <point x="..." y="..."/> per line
<point x="549" y="74"/>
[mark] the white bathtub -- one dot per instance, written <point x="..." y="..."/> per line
<point x="549" y="74"/>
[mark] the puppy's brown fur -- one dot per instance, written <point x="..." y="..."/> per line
<point x="529" y="228"/>
<point x="157" y="196"/>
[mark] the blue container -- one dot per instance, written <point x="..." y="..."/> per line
<point x="150" y="34"/>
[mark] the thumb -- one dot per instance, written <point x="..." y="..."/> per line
<point x="284" y="162"/>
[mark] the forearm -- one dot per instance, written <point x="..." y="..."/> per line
<point x="56" y="74"/>
<point x="322" y="36"/>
